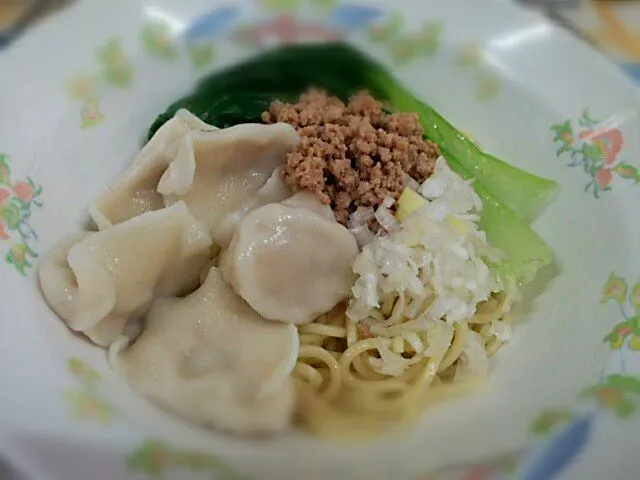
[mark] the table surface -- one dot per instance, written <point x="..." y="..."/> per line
<point x="12" y="10"/>
<point x="611" y="25"/>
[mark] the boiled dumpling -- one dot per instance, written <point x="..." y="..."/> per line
<point x="275" y="190"/>
<point x="136" y="190"/>
<point x="310" y="201"/>
<point x="212" y="359"/>
<point x="289" y="261"/>
<point x="97" y="281"/>
<point x="216" y="173"/>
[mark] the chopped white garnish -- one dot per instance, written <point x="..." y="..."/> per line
<point x="440" y="335"/>
<point x="501" y="330"/>
<point x="474" y="360"/>
<point x="438" y="252"/>
<point x="387" y="219"/>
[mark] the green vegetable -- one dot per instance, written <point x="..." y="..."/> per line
<point x="241" y="93"/>
<point x="512" y="197"/>
<point x="526" y="252"/>
<point x="526" y="194"/>
<point x="250" y="87"/>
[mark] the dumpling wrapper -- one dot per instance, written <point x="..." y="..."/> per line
<point x="215" y="172"/>
<point x="274" y="191"/>
<point x="212" y="359"/>
<point x="308" y="200"/>
<point x="291" y="261"/>
<point x="135" y="192"/>
<point x="218" y="174"/>
<point x="97" y="281"/>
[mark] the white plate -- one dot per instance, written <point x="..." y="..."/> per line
<point x="76" y="97"/>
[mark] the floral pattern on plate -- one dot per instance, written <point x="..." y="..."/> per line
<point x="406" y="46"/>
<point x="18" y="199"/>
<point x="331" y="21"/>
<point x="117" y="72"/>
<point x="87" y="402"/>
<point x="471" y="58"/>
<point x="155" y="456"/>
<point x="564" y="433"/>
<point x="158" y="39"/>
<point x="595" y="146"/>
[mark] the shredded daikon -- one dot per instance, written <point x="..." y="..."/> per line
<point x="363" y="234"/>
<point x="391" y="363"/>
<point x="388" y="201"/>
<point x="411" y="183"/>
<point x="360" y="217"/>
<point x="501" y="330"/>
<point x="387" y="219"/>
<point x="440" y="243"/>
<point x="432" y="266"/>
<point x="440" y="335"/>
<point x="474" y="360"/>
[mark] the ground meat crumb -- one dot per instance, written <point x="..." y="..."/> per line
<point x="352" y="155"/>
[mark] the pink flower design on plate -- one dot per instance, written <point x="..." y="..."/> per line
<point x="286" y="29"/>
<point x="604" y="178"/>
<point x="597" y="152"/>
<point x="3" y="232"/>
<point x="24" y="191"/>
<point x="5" y="195"/>
<point x="608" y="141"/>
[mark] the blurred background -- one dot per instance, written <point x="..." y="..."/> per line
<point x="16" y="16"/>
<point x="612" y="26"/>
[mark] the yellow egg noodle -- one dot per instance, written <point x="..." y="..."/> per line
<point x="341" y="396"/>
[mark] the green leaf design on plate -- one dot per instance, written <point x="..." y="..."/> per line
<point x="117" y="68"/>
<point x="404" y="49"/>
<point x="151" y="458"/>
<point x="325" y="6"/>
<point x="548" y="421"/>
<point x="242" y="36"/>
<point x="159" y="40"/>
<point x="86" y="405"/>
<point x="627" y="171"/>
<point x="634" y="297"/>
<point x="154" y="456"/>
<point x="621" y="331"/>
<point x="469" y="56"/>
<point x="387" y="30"/>
<point x="586" y="120"/>
<point x="625" y="383"/>
<point x="91" y="114"/>
<point x="19" y="256"/>
<point x="5" y="171"/>
<point x="592" y="152"/>
<point x="82" y="86"/>
<point x="83" y="372"/>
<point x="429" y="37"/>
<point x="564" y="133"/>
<point x="424" y="42"/>
<point x="619" y="393"/>
<point x="614" y="289"/>
<point x="488" y="88"/>
<point x="288" y="6"/>
<point x="11" y="215"/>
<point x="563" y="149"/>
<point x="202" y="55"/>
